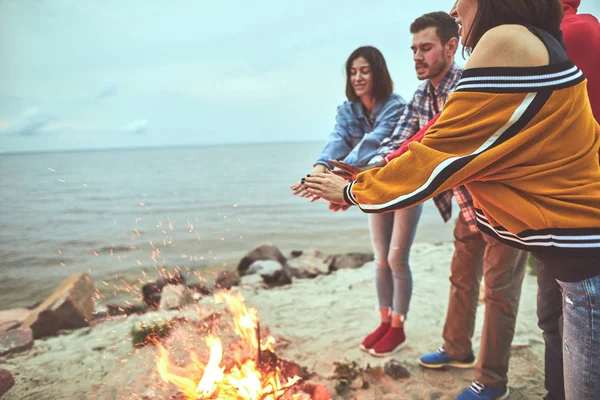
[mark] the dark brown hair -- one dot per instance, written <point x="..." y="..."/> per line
<point x="445" y="26"/>
<point x="382" y="81"/>
<point x="543" y="14"/>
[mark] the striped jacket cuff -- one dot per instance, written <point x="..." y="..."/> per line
<point x="348" y="196"/>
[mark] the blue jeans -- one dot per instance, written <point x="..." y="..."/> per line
<point x="392" y="235"/>
<point x="550" y="321"/>
<point x="581" y="335"/>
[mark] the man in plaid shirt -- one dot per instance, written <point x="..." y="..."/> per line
<point x="427" y="101"/>
<point x="503" y="266"/>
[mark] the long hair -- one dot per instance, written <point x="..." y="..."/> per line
<point x="543" y="14"/>
<point x="383" y="86"/>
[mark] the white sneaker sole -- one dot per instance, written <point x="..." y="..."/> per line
<point x="381" y="355"/>
<point x="458" y="365"/>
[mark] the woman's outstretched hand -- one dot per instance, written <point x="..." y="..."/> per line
<point x="301" y="190"/>
<point x="338" y="207"/>
<point x="328" y="186"/>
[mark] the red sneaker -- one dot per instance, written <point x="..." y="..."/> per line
<point x="375" y="336"/>
<point x="392" y="341"/>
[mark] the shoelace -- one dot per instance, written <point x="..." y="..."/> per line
<point x="441" y="350"/>
<point x="477" y="387"/>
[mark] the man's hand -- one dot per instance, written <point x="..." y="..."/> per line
<point x="350" y="172"/>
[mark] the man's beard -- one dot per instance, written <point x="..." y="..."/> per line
<point x="437" y="68"/>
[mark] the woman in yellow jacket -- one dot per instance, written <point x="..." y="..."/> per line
<point x="520" y="134"/>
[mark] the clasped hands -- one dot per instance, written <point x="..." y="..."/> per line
<point x="329" y="184"/>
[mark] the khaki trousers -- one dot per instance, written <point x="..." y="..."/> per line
<point x="503" y="270"/>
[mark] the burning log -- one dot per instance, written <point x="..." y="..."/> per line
<point x="255" y="373"/>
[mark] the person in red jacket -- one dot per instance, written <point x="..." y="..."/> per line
<point x="581" y="36"/>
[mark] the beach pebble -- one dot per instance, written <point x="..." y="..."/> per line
<point x="262" y="252"/>
<point x="6" y="381"/>
<point x="15" y="341"/>
<point x="396" y="370"/>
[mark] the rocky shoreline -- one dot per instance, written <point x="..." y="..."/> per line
<point x="317" y="321"/>
<point x="71" y="310"/>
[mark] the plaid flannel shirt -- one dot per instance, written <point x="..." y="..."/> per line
<point x="426" y="102"/>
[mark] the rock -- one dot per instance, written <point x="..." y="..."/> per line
<point x="151" y="293"/>
<point x="175" y="296"/>
<point x="352" y="260"/>
<point x="15" y="341"/>
<point x="199" y="288"/>
<point x="6" y="381"/>
<point x="13" y="318"/>
<point x="296" y="253"/>
<point x="311" y="264"/>
<point x="127" y="309"/>
<point x="262" y="252"/>
<point x="69" y="307"/>
<point x="272" y="272"/>
<point x="253" y="281"/>
<point x="227" y="279"/>
<point x="395" y="369"/>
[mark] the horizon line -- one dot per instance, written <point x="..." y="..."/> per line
<point x="150" y="147"/>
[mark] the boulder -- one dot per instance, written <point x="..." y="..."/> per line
<point x="6" y="381"/>
<point x="352" y="260"/>
<point x="15" y="341"/>
<point x="272" y="272"/>
<point x="262" y="252"/>
<point x="227" y="279"/>
<point x="13" y="318"/>
<point x="311" y="264"/>
<point x="69" y="307"/>
<point x="175" y="296"/>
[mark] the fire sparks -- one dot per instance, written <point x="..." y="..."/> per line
<point x="245" y="380"/>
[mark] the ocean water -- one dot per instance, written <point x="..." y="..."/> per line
<point x="129" y="212"/>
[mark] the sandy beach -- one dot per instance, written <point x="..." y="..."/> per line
<point x="316" y="323"/>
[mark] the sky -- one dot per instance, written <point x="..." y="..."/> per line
<point x="80" y="75"/>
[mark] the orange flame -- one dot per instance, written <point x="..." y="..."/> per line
<point x="244" y="380"/>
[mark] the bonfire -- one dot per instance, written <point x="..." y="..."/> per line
<point x="253" y="374"/>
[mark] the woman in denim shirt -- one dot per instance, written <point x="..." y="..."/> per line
<point x="369" y="116"/>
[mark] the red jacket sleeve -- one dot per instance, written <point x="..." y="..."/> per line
<point x="416" y="138"/>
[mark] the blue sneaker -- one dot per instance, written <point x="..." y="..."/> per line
<point x="440" y="359"/>
<point x="479" y="392"/>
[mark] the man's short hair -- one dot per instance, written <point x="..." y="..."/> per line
<point x="445" y="26"/>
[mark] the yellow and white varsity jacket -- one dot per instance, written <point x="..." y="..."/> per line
<point x="525" y="143"/>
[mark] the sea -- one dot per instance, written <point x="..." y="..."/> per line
<point x="125" y="215"/>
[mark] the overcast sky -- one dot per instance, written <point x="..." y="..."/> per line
<point x="138" y="73"/>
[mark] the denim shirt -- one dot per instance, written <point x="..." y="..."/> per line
<point x="355" y="139"/>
